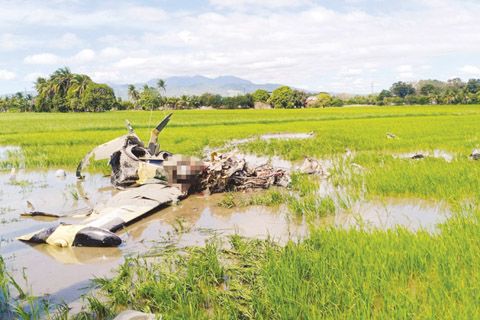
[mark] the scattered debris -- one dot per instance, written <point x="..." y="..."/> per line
<point x="84" y="212"/>
<point x="152" y="179"/>
<point x="437" y="153"/>
<point x="475" y="155"/>
<point x="418" y="156"/>
<point x="228" y="172"/>
<point x="33" y="213"/>
<point x="311" y="166"/>
<point x="391" y="135"/>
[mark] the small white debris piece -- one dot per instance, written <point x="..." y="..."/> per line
<point x="60" y="173"/>
<point x="311" y="166"/>
<point x="391" y="135"/>
<point x="30" y="206"/>
<point x="475" y="155"/>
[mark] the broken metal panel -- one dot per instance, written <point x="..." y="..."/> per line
<point x="102" y="152"/>
<point x="122" y="209"/>
<point x="153" y="142"/>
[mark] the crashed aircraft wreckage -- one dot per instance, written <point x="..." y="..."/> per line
<point x="150" y="179"/>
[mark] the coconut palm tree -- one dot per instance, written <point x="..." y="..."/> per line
<point x="41" y="85"/>
<point x="133" y="93"/>
<point x="61" y="80"/>
<point x="162" y="85"/>
<point x="79" y="83"/>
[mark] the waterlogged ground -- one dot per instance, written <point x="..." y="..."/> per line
<point x="355" y="270"/>
<point x="64" y="273"/>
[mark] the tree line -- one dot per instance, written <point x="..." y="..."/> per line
<point x="64" y="91"/>
<point x="453" y="91"/>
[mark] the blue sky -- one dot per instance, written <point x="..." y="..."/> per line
<point x="331" y="45"/>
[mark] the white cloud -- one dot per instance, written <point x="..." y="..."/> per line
<point x="131" y="62"/>
<point x="406" y="68"/>
<point x="241" y="4"/>
<point x="83" y="56"/>
<point x="406" y="75"/>
<point x="9" y="41"/>
<point x="106" y="76"/>
<point x="111" y="52"/>
<point x="6" y="75"/>
<point x="66" y="41"/>
<point x="470" y="70"/>
<point x="300" y="43"/>
<point x="53" y="15"/>
<point x="42" y="58"/>
<point x="351" y="71"/>
<point x="33" y="76"/>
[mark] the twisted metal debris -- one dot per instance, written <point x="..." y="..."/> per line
<point x="231" y="172"/>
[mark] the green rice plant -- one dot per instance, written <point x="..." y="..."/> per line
<point x="271" y="197"/>
<point x="334" y="273"/>
<point x="304" y="184"/>
<point x="228" y="201"/>
<point x="312" y="206"/>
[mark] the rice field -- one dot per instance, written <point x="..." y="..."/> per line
<point x="335" y="273"/>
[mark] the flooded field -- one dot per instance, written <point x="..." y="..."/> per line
<point x="64" y="273"/>
<point x="361" y="182"/>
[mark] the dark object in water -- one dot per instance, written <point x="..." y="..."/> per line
<point x="64" y="235"/>
<point x="34" y="213"/>
<point x="96" y="237"/>
<point x="40" y="214"/>
<point x="418" y="156"/>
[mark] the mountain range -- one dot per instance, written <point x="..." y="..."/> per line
<point x="196" y="85"/>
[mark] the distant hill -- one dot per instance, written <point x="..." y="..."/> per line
<point x="196" y="85"/>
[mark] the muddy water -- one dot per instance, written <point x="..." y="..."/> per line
<point x="266" y="137"/>
<point x="5" y="151"/>
<point x="64" y="273"/>
<point x="414" y="214"/>
<point x="437" y="153"/>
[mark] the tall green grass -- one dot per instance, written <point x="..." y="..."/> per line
<point x="334" y="274"/>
